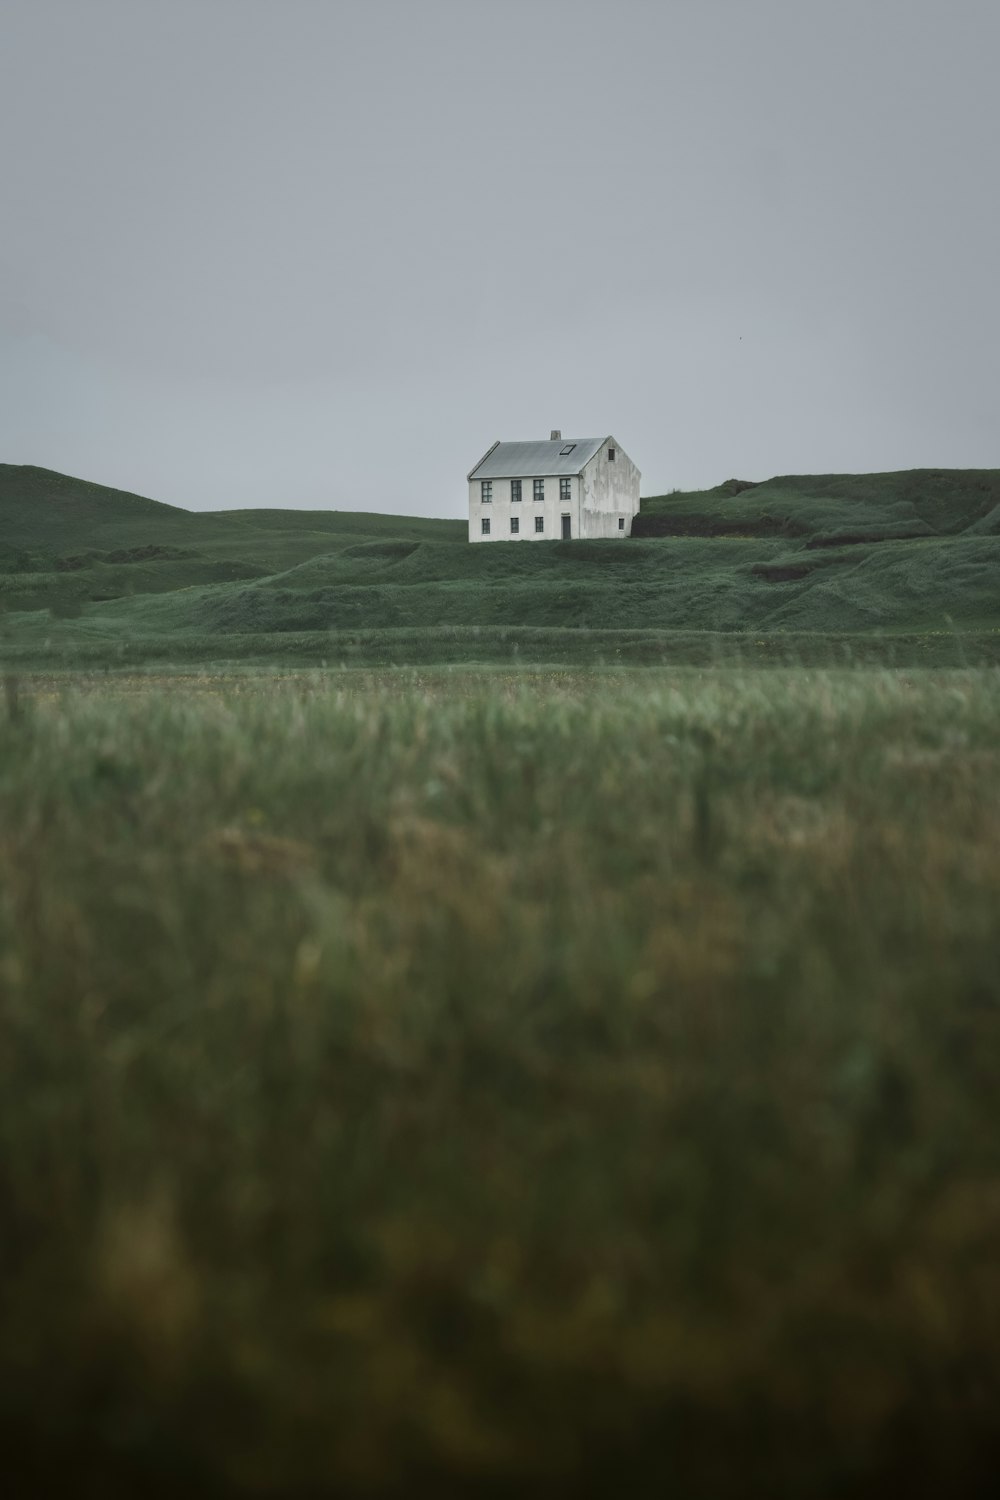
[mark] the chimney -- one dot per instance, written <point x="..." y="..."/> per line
<point x="555" y="436"/>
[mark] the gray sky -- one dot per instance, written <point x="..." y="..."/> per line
<point x="325" y="252"/>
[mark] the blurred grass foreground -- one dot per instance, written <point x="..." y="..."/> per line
<point x="479" y="1083"/>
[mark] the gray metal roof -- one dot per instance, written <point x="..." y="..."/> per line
<point x="536" y="460"/>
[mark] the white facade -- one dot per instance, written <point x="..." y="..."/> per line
<point x="590" y="491"/>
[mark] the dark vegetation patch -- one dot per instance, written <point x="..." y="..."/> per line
<point x="873" y="534"/>
<point x="736" y="486"/>
<point x="796" y="566"/>
<point x="152" y="552"/>
<point x="681" y="522"/>
<point x="392" y="549"/>
<point x="781" y="572"/>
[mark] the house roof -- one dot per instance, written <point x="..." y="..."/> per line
<point x="536" y="460"/>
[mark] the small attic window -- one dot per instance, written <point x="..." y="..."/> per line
<point x="567" y="448"/>
<point x="611" y="455"/>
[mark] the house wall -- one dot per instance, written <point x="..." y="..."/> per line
<point x="605" y="491"/>
<point x="609" y="490"/>
<point x="500" y="510"/>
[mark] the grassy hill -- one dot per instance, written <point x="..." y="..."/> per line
<point x="88" y="573"/>
<point x="830" y="509"/>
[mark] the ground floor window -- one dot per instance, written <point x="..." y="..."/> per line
<point x="515" y="525"/>
<point x="539" y="523"/>
<point x="621" y="523"/>
<point x="486" y="526"/>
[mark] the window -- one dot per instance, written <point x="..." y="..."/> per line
<point x="539" y="524"/>
<point x="564" y="489"/>
<point x="486" y="491"/>
<point x="621" y="523"/>
<point x="515" y="490"/>
<point x="539" y="489"/>
<point x="515" y="525"/>
<point x="611" y="455"/>
<point x="568" y="449"/>
<point x="486" y="526"/>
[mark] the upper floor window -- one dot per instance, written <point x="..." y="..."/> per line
<point x="539" y="489"/>
<point x="515" y="490"/>
<point x="564" y="489"/>
<point x="486" y="491"/>
<point x="515" y="525"/>
<point x="486" y="526"/>
<point x="611" y="455"/>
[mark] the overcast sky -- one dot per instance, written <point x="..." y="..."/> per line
<point x="325" y="252"/>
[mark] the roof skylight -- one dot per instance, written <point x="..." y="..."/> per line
<point x="567" y="449"/>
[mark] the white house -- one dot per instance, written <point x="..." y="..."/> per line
<point x="533" y="492"/>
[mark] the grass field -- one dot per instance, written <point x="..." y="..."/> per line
<point x="545" y="1082"/>
<point x="902" y="568"/>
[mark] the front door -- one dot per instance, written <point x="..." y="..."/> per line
<point x="566" y="533"/>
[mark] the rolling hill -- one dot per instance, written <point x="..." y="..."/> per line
<point x="911" y="560"/>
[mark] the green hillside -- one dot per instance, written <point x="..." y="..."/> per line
<point x="67" y="545"/>
<point x="827" y="509"/>
<point x="49" y="519"/>
<point x="86" y="572"/>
